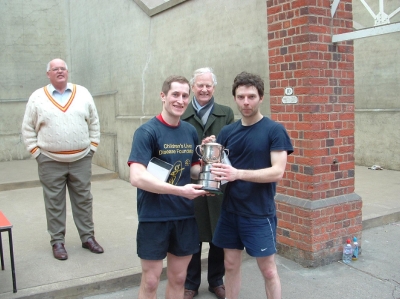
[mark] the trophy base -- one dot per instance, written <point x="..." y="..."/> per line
<point x="212" y="190"/>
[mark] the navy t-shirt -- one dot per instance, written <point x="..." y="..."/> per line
<point x="175" y="145"/>
<point x="249" y="148"/>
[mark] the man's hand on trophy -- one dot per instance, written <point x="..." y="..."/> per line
<point x="224" y="172"/>
<point x="209" y="139"/>
<point x="191" y="191"/>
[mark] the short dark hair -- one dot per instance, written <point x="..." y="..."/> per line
<point x="174" y="78"/>
<point x="248" y="79"/>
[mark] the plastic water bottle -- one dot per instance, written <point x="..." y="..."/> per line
<point x="347" y="252"/>
<point x="355" y="249"/>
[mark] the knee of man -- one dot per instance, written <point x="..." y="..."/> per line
<point x="270" y="273"/>
<point x="181" y="279"/>
<point x="231" y="264"/>
<point x="150" y="282"/>
<point x="178" y="279"/>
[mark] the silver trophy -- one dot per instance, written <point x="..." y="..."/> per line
<point x="210" y="153"/>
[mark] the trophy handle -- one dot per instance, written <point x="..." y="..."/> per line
<point x="225" y="159"/>
<point x="197" y="151"/>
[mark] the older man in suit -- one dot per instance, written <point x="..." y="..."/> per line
<point x="208" y="118"/>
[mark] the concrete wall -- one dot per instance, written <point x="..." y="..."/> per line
<point x="121" y="49"/>
<point x="122" y="56"/>
<point x="377" y="91"/>
<point x="32" y="33"/>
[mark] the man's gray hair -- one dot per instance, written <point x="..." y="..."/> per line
<point x="48" y="65"/>
<point x="201" y="71"/>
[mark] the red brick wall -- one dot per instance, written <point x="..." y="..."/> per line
<point x="315" y="237"/>
<point x="321" y="125"/>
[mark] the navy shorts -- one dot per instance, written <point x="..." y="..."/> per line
<point x="257" y="235"/>
<point x="155" y="239"/>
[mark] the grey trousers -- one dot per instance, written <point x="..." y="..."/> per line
<point x="55" y="177"/>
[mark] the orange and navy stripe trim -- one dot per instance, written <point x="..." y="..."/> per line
<point x="69" y="152"/>
<point x="62" y="108"/>
<point x="62" y="152"/>
<point x="34" y="149"/>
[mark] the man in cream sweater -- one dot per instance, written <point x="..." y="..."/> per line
<point x="61" y="130"/>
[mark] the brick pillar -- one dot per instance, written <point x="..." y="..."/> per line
<point x="317" y="207"/>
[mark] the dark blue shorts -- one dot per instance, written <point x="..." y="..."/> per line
<point x="155" y="239"/>
<point x="257" y="235"/>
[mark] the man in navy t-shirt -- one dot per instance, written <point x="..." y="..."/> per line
<point x="258" y="149"/>
<point x="167" y="227"/>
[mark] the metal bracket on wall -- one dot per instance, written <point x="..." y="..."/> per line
<point x="382" y="23"/>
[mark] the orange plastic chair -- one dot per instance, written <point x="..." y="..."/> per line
<point x="6" y="225"/>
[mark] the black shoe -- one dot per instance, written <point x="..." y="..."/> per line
<point x="59" y="251"/>
<point x="92" y="245"/>
<point x="189" y="294"/>
<point x="219" y="291"/>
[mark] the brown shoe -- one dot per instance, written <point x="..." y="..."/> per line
<point x="219" y="291"/>
<point x="189" y="294"/>
<point x="92" y="245"/>
<point x="59" y="251"/>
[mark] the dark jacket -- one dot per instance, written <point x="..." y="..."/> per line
<point x="208" y="208"/>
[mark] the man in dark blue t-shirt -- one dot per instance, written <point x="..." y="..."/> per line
<point x="167" y="227"/>
<point x="258" y="149"/>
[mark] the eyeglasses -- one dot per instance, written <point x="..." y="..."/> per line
<point x="56" y="69"/>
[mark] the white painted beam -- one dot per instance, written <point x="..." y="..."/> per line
<point x="368" y="8"/>
<point x="395" y="12"/>
<point x="381" y="6"/>
<point x="334" y="7"/>
<point x="378" y="30"/>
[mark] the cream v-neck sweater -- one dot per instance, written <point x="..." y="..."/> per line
<point x="63" y="133"/>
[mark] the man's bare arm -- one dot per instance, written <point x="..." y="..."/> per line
<point x="264" y="175"/>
